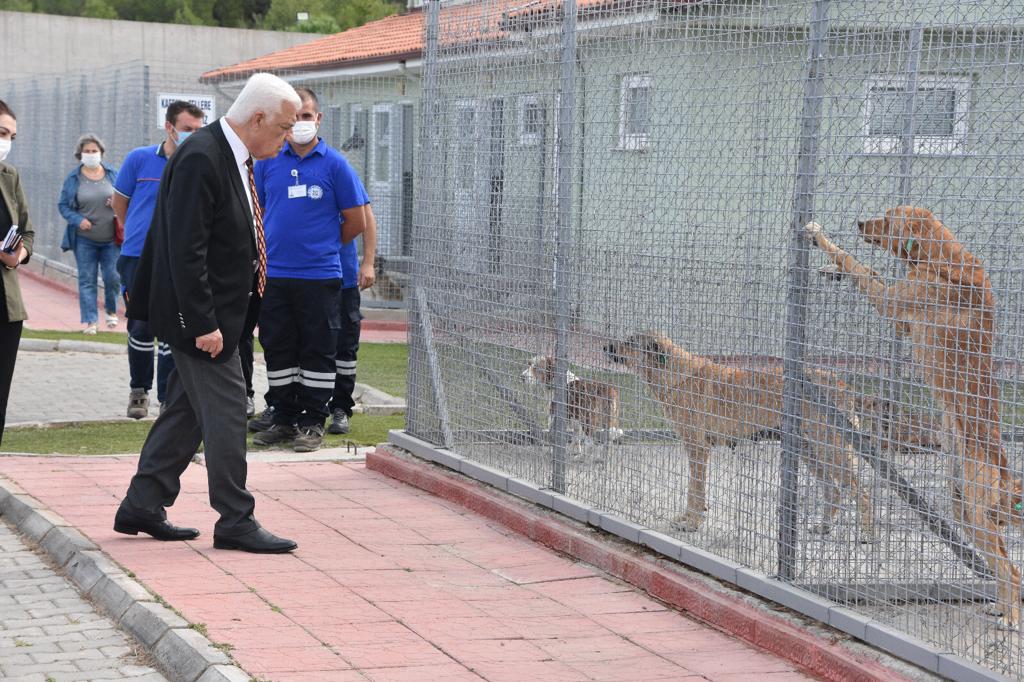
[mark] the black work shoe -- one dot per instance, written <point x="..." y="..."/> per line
<point x="259" y="541"/>
<point x="275" y="433"/>
<point x="339" y="422"/>
<point x="262" y="422"/>
<point x="132" y="524"/>
<point x="310" y="438"/>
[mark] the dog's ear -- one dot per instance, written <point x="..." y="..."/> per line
<point x="653" y="347"/>
<point x="931" y="243"/>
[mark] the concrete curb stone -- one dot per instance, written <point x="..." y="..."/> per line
<point x="65" y="543"/>
<point x="149" y="621"/>
<point x="224" y="673"/>
<point x="377" y="402"/>
<point x="70" y="345"/>
<point x="188" y="653"/>
<point x="183" y="654"/>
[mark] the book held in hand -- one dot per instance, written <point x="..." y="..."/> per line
<point x="12" y="240"/>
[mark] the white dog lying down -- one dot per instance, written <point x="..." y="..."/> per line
<point x="592" y="407"/>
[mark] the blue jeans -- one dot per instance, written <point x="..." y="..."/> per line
<point x="91" y="257"/>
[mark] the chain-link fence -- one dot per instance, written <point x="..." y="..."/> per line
<point x="624" y="187"/>
<point x="371" y="117"/>
<point x="120" y="104"/>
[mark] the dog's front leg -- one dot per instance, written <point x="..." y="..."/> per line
<point x="696" y="496"/>
<point x="867" y="279"/>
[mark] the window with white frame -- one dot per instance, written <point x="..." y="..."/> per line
<point x="636" y="96"/>
<point x="938" y="114"/>
<point x="531" y="119"/>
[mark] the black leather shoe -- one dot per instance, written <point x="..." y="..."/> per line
<point x="131" y="524"/>
<point x="259" y="541"/>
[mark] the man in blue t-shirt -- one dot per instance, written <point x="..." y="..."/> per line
<point x="313" y="204"/>
<point x="134" y="200"/>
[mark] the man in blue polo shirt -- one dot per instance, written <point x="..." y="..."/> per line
<point x="313" y="203"/>
<point x="134" y="200"/>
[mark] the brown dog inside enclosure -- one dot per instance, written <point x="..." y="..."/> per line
<point x="592" y="407"/>
<point x="710" y="404"/>
<point x="946" y="307"/>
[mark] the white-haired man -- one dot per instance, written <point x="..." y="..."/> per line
<point x="203" y="260"/>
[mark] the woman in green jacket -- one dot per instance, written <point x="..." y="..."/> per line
<point x="13" y="211"/>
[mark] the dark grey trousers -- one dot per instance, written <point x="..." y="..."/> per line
<point x="205" y="404"/>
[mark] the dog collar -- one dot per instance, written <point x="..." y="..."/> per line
<point x="909" y="245"/>
<point x="1019" y="506"/>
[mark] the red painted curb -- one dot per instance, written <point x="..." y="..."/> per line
<point x="812" y="653"/>
<point x="385" y="325"/>
<point x="53" y="284"/>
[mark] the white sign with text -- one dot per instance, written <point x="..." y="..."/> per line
<point x="205" y="102"/>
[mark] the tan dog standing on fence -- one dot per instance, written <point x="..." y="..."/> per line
<point x="945" y="305"/>
<point x="710" y="404"/>
<point x="592" y="407"/>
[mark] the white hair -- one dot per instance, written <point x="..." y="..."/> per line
<point x="262" y="92"/>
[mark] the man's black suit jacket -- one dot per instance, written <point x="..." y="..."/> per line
<point x="196" y="271"/>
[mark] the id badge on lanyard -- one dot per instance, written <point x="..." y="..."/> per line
<point x="296" y="191"/>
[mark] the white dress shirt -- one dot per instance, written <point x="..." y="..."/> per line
<point x="242" y="155"/>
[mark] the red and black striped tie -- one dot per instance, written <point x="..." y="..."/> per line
<point x="261" y="242"/>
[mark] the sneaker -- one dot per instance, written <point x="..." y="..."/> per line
<point x="250" y="407"/>
<point x="339" y="422"/>
<point x="310" y="438"/>
<point x="138" y="403"/>
<point x="262" y="422"/>
<point x="90" y="329"/>
<point x="275" y="433"/>
<point x="111" y="320"/>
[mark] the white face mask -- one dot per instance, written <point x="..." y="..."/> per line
<point x="91" y="160"/>
<point x="303" y="132"/>
<point x="5" y="149"/>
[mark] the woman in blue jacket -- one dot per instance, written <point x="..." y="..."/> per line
<point x="85" y="203"/>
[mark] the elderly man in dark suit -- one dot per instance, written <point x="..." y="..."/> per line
<point x="203" y="262"/>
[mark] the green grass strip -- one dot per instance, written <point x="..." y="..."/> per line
<point x="113" y="438"/>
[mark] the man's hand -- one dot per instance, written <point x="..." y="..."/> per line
<point x="85" y="225"/>
<point x="13" y="260"/>
<point x="212" y="343"/>
<point x="366" y="275"/>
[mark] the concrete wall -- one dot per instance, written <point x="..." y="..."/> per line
<point x="37" y="44"/>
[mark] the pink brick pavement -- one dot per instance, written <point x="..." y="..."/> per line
<point x="391" y="583"/>
<point x="52" y="306"/>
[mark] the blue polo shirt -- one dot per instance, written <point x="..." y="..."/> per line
<point x="302" y="202"/>
<point x="139" y="182"/>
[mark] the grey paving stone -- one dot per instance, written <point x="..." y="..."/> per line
<point x="53" y="632"/>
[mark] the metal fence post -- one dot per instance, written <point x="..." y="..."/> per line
<point x="563" y="238"/>
<point x="892" y="376"/>
<point x="907" y="138"/>
<point x="421" y="340"/>
<point x="147" y="124"/>
<point x="796" y="295"/>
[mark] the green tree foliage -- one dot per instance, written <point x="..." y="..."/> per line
<point x="16" y="5"/>
<point x="325" y="16"/>
<point x="98" y="9"/>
